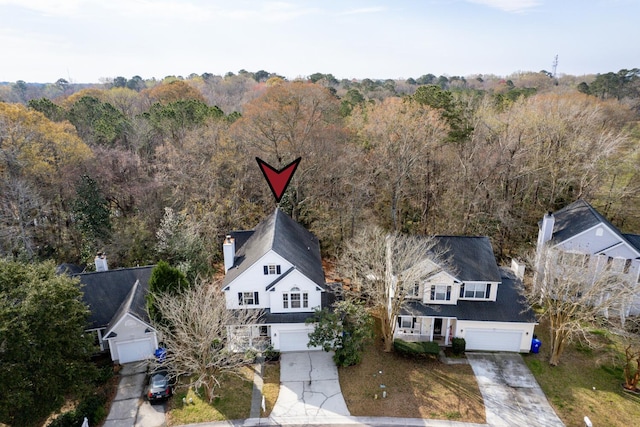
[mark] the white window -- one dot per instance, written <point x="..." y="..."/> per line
<point x="248" y="298"/>
<point x="406" y="322"/>
<point x="271" y="269"/>
<point x="476" y="290"/>
<point x="441" y="292"/>
<point x="413" y="291"/>
<point x="295" y="299"/>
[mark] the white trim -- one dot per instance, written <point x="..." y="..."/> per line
<point x="127" y="315"/>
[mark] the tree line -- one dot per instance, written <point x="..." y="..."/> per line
<point x="163" y="169"/>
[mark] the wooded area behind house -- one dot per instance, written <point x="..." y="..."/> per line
<point x="147" y="169"/>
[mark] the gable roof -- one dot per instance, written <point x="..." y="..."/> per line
<point x="580" y="216"/>
<point x="107" y="293"/>
<point x="468" y="258"/>
<point x="509" y="306"/>
<point x="134" y="304"/>
<point x="281" y="234"/>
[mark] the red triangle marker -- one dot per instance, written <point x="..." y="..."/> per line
<point x="278" y="180"/>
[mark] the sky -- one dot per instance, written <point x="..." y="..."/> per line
<point x="90" y="41"/>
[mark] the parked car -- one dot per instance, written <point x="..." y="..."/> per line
<point x="159" y="387"/>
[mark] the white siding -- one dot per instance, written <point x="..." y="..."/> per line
<point x="300" y="281"/>
<point x="129" y="330"/>
<point x="254" y="280"/>
<point x="445" y="279"/>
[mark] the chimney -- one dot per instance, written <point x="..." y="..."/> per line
<point x="229" y="252"/>
<point x="101" y="262"/>
<point x="546" y="229"/>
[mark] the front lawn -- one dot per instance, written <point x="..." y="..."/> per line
<point x="586" y="383"/>
<point x="415" y="388"/>
<point x="234" y="402"/>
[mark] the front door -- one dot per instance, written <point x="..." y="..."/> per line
<point x="437" y="327"/>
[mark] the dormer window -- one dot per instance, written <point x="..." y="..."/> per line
<point x="413" y="291"/>
<point x="271" y="269"/>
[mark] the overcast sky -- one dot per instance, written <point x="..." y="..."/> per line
<point x="85" y="41"/>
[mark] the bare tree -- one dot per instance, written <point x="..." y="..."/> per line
<point x="384" y="268"/>
<point x="195" y="332"/>
<point x="577" y="291"/>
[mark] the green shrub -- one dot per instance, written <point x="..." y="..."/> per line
<point x="271" y="355"/>
<point x="406" y="348"/>
<point x="91" y="407"/>
<point x="68" y="419"/>
<point x="458" y="346"/>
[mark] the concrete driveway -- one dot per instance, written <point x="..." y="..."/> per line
<point x="309" y="390"/>
<point x="512" y="397"/>
<point x="129" y="408"/>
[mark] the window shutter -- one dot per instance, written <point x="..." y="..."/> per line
<point x="433" y="292"/>
<point x="399" y="322"/>
<point x="449" y="293"/>
<point x="266" y="269"/>
<point x="488" y="291"/>
<point x="413" y="322"/>
<point x="462" y="290"/>
<point x="277" y="269"/>
<point x="255" y="298"/>
<point x="240" y="298"/>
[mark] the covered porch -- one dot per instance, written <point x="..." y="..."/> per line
<point x="426" y="328"/>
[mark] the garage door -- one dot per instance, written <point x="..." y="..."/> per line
<point x="294" y="340"/>
<point x="133" y="351"/>
<point x="493" y="339"/>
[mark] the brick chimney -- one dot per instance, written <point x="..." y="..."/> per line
<point x="229" y="252"/>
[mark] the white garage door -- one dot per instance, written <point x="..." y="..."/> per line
<point x="294" y="340"/>
<point x="493" y="339"/>
<point x="132" y="351"/>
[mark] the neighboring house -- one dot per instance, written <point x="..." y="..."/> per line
<point x="119" y="319"/>
<point x="468" y="297"/>
<point x="580" y="229"/>
<point x="276" y="268"/>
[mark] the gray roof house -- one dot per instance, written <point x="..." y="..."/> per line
<point x="469" y="297"/>
<point x="275" y="268"/>
<point x="580" y="228"/>
<point x="116" y="300"/>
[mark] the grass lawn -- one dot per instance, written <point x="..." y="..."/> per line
<point x="570" y="386"/>
<point x="416" y="388"/>
<point x="234" y="402"/>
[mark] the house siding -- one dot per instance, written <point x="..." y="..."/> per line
<point x="294" y="279"/>
<point x="254" y="280"/>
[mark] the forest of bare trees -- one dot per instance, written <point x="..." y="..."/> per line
<point x="161" y="169"/>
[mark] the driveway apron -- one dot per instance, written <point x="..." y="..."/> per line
<point x="309" y="388"/>
<point x="512" y="397"/>
<point x="129" y="408"/>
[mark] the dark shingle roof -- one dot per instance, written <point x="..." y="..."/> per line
<point x="468" y="258"/>
<point x="634" y="239"/>
<point x="290" y="240"/>
<point x="580" y="216"/>
<point x="510" y="305"/>
<point x="105" y="292"/>
<point x="576" y="218"/>
<point x="134" y="303"/>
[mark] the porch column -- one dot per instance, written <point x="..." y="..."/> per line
<point x="100" y="340"/>
<point x="446" y="334"/>
<point x="431" y="329"/>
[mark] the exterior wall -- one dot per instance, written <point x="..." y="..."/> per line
<point x="128" y="329"/>
<point x="441" y="279"/>
<point x="526" y="328"/>
<point x="423" y="329"/>
<point x="254" y="280"/>
<point x="298" y="280"/>
<point x="591" y="241"/>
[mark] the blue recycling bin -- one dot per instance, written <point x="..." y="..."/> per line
<point x="535" y="345"/>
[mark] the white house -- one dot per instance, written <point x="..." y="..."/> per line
<point x="119" y="319"/>
<point x="468" y="297"/>
<point x="580" y="229"/>
<point x="276" y="268"/>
